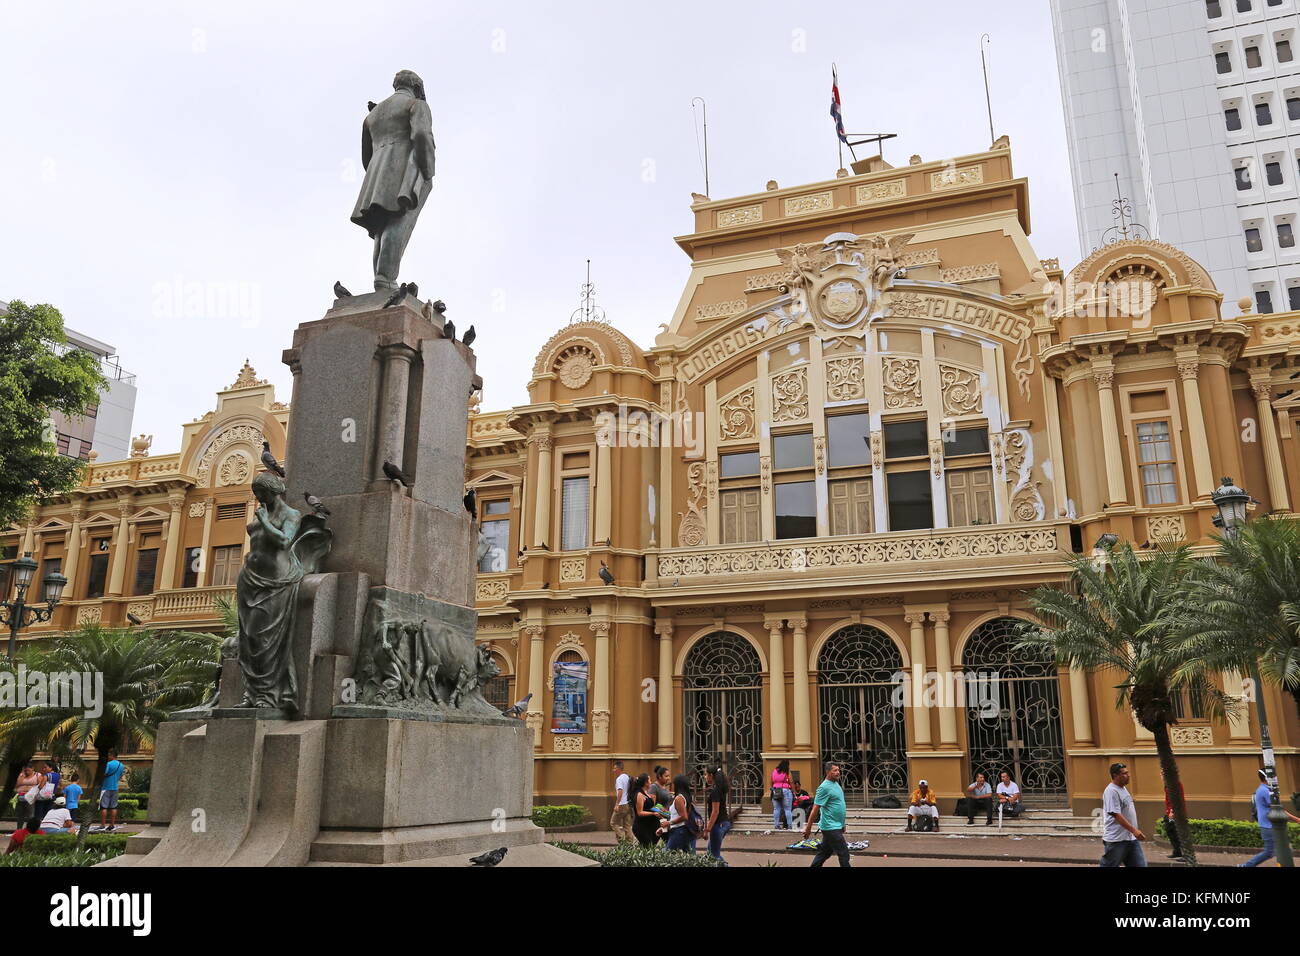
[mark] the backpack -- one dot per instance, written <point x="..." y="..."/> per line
<point x="694" y="824"/>
<point x="887" y="802"/>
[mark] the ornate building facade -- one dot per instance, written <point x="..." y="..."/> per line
<point x="801" y="525"/>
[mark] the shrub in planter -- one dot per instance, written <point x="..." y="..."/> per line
<point x="634" y="855"/>
<point x="140" y="779"/>
<point x="1242" y="833"/>
<point x="141" y="799"/>
<point x="56" y="843"/>
<point x="563" y="816"/>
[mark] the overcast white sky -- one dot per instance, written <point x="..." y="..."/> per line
<point x="155" y="149"/>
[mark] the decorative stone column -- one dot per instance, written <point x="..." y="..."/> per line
<point x="397" y="359"/>
<point x="542" y="501"/>
<point x="776" y="680"/>
<point x="600" y="699"/>
<point x="167" y="579"/>
<point x="1103" y="373"/>
<point x="604" y="487"/>
<point x="664" y="692"/>
<point x="802" y="705"/>
<point x="1273" y="468"/>
<point x="943" y="661"/>
<point x="208" y="509"/>
<point x="1189" y="367"/>
<point x="117" y="575"/>
<point x="1079" y="705"/>
<point x="921" y="718"/>
<point x="536" y="635"/>
<point x="74" y="550"/>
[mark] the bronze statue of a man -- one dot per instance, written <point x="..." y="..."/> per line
<point x="397" y="153"/>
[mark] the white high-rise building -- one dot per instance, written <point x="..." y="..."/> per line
<point x="1195" y="104"/>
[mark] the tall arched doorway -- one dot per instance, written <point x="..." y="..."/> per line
<point x="1013" y="712"/>
<point x="722" y="693"/>
<point x="862" y="729"/>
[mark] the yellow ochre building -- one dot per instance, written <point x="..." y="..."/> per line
<point x="875" y="419"/>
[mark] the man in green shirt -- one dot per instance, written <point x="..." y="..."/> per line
<point x="828" y="805"/>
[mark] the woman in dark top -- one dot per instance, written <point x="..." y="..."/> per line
<point x="645" y="822"/>
<point x="717" y="821"/>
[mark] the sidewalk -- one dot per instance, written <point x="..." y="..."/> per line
<point x="955" y="847"/>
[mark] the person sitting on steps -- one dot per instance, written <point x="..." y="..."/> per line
<point x="921" y="805"/>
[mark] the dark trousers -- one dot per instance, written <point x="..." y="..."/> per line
<point x="833" y="842"/>
<point x="976" y="804"/>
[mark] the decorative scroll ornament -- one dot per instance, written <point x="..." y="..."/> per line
<point x="961" y="391"/>
<point x="1167" y="528"/>
<point x="247" y="435"/>
<point x="1026" y="500"/>
<point x="902" y="382"/>
<point x="247" y="378"/>
<point x="1199" y="736"/>
<point x="842" y="279"/>
<point x="573" y="570"/>
<point x="845" y="379"/>
<point x="568" y="743"/>
<point x="765" y="473"/>
<point x="877" y="451"/>
<point x="600" y="722"/>
<point x="936" y="457"/>
<point x="691" y="530"/>
<point x="819" y="452"/>
<point x="736" y="417"/>
<point x="235" y="469"/>
<point x="790" y="396"/>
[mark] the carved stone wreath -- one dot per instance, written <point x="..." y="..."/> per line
<point x="574" y="366"/>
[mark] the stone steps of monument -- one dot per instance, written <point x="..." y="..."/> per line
<point x="1046" y="822"/>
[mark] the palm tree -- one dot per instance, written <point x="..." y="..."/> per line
<point x="1121" y="614"/>
<point x="1247" y="605"/>
<point x="146" y="675"/>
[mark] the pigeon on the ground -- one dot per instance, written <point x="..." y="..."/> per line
<point x="470" y="335"/>
<point x="518" y="707"/>
<point x="268" y="460"/>
<point x="340" y="292"/>
<point x="489" y="859"/>
<point x="605" y="574"/>
<point x="317" y="505"/>
<point x="396" y="474"/>
<point x="471" y="503"/>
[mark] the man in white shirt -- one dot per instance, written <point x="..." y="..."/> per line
<point x="621" y="820"/>
<point x="1120" y="836"/>
<point x="1008" y="796"/>
<point x="58" y="820"/>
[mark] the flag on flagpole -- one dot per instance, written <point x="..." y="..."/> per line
<point x="835" y="107"/>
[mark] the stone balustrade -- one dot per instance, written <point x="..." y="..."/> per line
<point x="189" y="602"/>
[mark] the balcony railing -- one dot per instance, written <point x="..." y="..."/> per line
<point x="190" y="602"/>
<point x="996" y="544"/>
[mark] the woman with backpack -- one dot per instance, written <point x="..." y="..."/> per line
<point x="683" y="819"/>
<point x="717" y="821"/>
<point x="782" y="796"/>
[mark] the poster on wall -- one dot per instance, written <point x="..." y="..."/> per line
<point x="569" y="710"/>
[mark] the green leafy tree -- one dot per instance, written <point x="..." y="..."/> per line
<point x="38" y="376"/>
<point x="147" y="675"/>
<point x="1247" y="605"/>
<point x="1123" y="614"/>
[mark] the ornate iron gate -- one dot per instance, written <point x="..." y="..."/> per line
<point x="861" y="728"/>
<point x="1013" y="711"/>
<point x="722" y="707"/>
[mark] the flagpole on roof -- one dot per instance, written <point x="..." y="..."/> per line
<point x="839" y="143"/>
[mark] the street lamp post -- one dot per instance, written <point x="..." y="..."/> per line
<point x="1231" y="502"/>
<point x="17" y="613"/>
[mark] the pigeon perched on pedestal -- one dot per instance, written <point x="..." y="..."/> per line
<point x="518" y="707"/>
<point x="340" y="292"/>
<point x="394" y="473"/>
<point x="268" y="460"/>
<point x="449" y="330"/>
<point x="605" y="574"/>
<point x="489" y="859"/>
<point x="470" y="335"/>
<point x="317" y="505"/>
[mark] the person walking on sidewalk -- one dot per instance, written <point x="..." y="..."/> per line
<point x="1121" y="839"/>
<point x="828" y="805"/>
<point x="1263" y="799"/>
<point x="683" y="819"/>
<point x="620" y="820"/>
<point x="717" y="823"/>
<point x="645" y="822"/>
<point x="782" y="796"/>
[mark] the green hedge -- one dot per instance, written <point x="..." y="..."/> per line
<point x="565" y="816"/>
<point x="633" y="854"/>
<point x="1243" y="833"/>
<point x="67" y="858"/>
<point x="38" y="844"/>
<point x="141" y="799"/>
